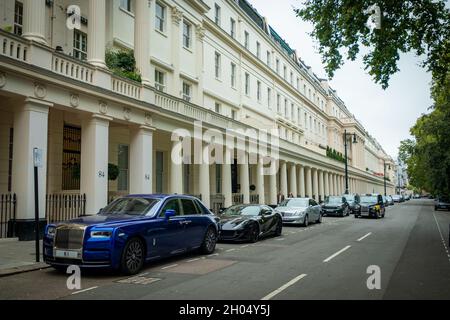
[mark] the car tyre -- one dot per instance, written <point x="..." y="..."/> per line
<point x="279" y="229"/>
<point x="209" y="242"/>
<point x="319" y="220"/>
<point x="133" y="257"/>
<point x="306" y="221"/>
<point x="254" y="233"/>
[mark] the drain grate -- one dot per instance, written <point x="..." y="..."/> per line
<point x="139" y="280"/>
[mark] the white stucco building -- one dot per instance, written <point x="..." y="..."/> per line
<point x="215" y="61"/>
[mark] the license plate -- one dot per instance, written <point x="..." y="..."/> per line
<point x="66" y="254"/>
<point x="364" y="213"/>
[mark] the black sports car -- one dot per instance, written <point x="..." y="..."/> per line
<point x="249" y="222"/>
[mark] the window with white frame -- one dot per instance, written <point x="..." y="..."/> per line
<point x="187" y="31"/>
<point x="187" y="91"/>
<point x="18" y="18"/>
<point x="277" y="66"/>
<point x="258" y="90"/>
<point x="258" y="50"/>
<point x="233" y="75"/>
<point x="292" y="112"/>
<point x="269" y="97"/>
<point x="217" y="13"/>
<point x="232" y="28"/>
<point x="233" y="114"/>
<point x="268" y="59"/>
<point x="217" y="107"/>
<point x="122" y="163"/>
<point x="292" y="78"/>
<point x="160" y="17"/>
<point x="278" y="103"/>
<point x="125" y="4"/>
<point x="246" y="39"/>
<point x="159" y="80"/>
<point x="247" y="84"/>
<point x="284" y="72"/>
<point x="298" y="84"/>
<point x="285" y="107"/>
<point x="217" y="66"/>
<point x="79" y="45"/>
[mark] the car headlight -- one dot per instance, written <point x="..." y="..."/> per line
<point x="51" y="230"/>
<point x="101" y="234"/>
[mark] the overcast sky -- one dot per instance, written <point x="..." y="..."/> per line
<point x="386" y="114"/>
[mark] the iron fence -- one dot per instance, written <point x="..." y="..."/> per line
<point x="7" y="215"/>
<point x="63" y="207"/>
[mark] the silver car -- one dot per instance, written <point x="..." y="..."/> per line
<point x="300" y="211"/>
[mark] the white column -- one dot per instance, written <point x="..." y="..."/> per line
<point x="176" y="168"/>
<point x="34" y="20"/>
<point x="97" y="33"/>
<point x="327" y="185"/>
<point x="244" y="179"/>
<point x="260" y="189"/>
<point x="315" y="184"/>
<point x="226" y="178"/>
<point x="334" y="184"/>
<point x="141" y="160"/>
<point x="199" y="61"/>
<point x="321" y="186"/>
<point x="273" y="191"/>
<point x="309" y="190"/>
<point x="204" y="177"/>
<point x="293" y="179"/>
<point x="142" y="39"/>
<point x="301" y="179"/>
<point x="176" y="48"/>
<point x="30" y="131"/>
<point x="283" y="178"/>
<point x="94" y="162"/>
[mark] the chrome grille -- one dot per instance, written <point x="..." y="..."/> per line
<point x="69" y="237"/>
<point x="364" y="209"/>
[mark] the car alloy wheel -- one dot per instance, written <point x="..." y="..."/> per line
<point x="254" y="233"/>
<point x="133" y="256"/>
<point x="306" y="221"/>
<point x="279" y="229"/>
<point x="209" y="243"/>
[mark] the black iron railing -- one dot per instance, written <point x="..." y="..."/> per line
<point x="254" y="198"/>
<point x="62" y="207"/>
<point x="7" y="215"/>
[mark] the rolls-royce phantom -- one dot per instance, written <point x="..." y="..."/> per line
<point x="131" y="231"/>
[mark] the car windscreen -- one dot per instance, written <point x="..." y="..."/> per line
<point x="242" y="211"/>
<point x="369" y="199"/>
<point x="333" y="200"/>
<point x="294" y="203"/>
<point x="130" y="206"/>
<point x="350" y="198"/>
<point x="444" y="199"/>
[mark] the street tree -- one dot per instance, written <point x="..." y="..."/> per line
<point x="418" y="26"/>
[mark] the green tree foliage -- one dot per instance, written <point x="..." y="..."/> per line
<point x="428" y="155"/>
<point x="418" y="26"/>
<point x="123" y="64"/>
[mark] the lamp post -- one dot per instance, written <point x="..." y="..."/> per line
<point x="346" y="158"/>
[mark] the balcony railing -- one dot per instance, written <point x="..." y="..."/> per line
<point x="13" y="46"/>
<point x="238" y="198"/>
<point x="126" y="87"/>
<point x="72" y="68"/>
<point x="7" y="215"/>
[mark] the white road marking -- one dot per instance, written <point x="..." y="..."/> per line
<point x="244" y="246"/>
<point x="279" y="239"/>
<point x="229" y="250"/>
<point x="336" y="254"/>
<point x="170" y="266"/>
<point x="442" y="237"/>
<point x="213" y="255"/>
<point x="365" y="236"/>
<point x="192" y="260"/>
<point x="84" y="290"/>
<point x="283" y="287"/>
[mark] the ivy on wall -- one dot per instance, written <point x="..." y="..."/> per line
<point x="333" y="154"/>
<point x="123" y="64"/>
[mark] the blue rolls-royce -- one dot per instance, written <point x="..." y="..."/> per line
<point x="130" y="231"/>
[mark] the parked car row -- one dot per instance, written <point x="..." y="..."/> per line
<point x="136" y="229"/>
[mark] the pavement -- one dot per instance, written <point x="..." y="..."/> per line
<point x="18" y="256"/>
<point x="408" y="250"/>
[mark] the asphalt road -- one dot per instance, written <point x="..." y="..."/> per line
<point x="325" y="261"/>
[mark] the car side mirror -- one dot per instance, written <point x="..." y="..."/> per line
<point x="169" y="213"/>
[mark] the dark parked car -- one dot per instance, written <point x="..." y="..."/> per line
<point x="353" y="202"/>
<point x="372" y="205"/>
<point x="300" y="211"/>
<point x="442" y="203"/>
<point x="249" y="222"/>
<point x="131" y="231"/>
<point x="335" y="206"/>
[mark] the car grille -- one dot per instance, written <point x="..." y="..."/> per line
<point x="69" y="237"/>
<point x="288" y="214"/>
<point x="364" y="209"/>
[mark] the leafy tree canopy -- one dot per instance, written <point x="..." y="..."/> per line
<point x="418" y="26"/>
